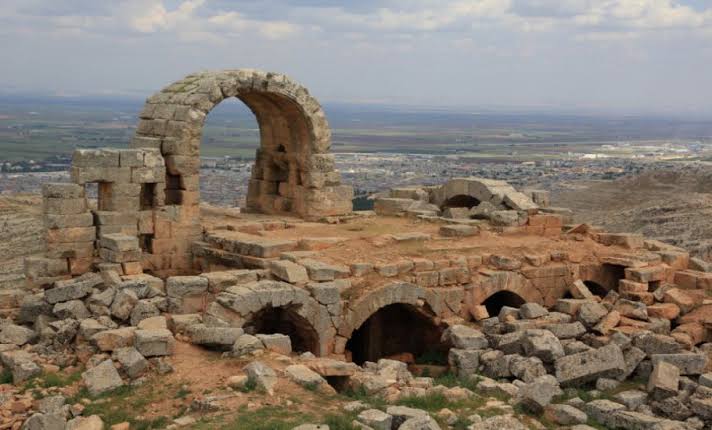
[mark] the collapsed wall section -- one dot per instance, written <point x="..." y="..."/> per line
<point x="129" y="230"/>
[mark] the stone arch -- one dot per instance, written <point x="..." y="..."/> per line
<point x="495" y="302"/>
<point x="404" y="299"/>
<point x="408" y="333"/>
<point x="497" y="282"/>
<point x="498" y="193"/>
<point x="285" y="320"/>
<point x="606" y="275"/>
<point x="293" y="171"/>
<point x="460" y="201"/>
<point x="398" y="293"/>
<point x="243" y="304"/>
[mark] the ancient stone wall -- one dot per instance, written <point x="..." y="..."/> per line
<point x="293" y="172"/>
<point x="150" y="195"/>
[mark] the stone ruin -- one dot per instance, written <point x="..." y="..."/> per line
<point x="299" y="270"/>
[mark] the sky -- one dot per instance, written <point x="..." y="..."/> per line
<point x="581" y="55"/>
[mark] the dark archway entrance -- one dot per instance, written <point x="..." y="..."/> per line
<point x="461" y="201"/>
<point x="497" y="301"/>
<point x="395" y="331"/>
<point x="596" y="289"/>
<point x="285" y="320"/>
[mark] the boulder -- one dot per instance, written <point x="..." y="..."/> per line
<point x="72" y="289"/>
<point x="464" y="337"/>
<point x="132" y="362"/>
<point x="587" y="366"/>
<point x="279" y="343"/>
<point x="102" y="378"/>
<point x="246" y="344"/>
<point x="153" y="343"/>
<point x="664" y="380"/>
<point x="565" y="415"/>
<point x="92" y="422"/>
<point x="375" y="419"/>
<point x="55" y="421"/>
<point x="536" y="395"/>
<point x="16" y="334"/>
<point x="21" y="364"/>
<point x="123" y="304"/>
<point x="304" y="376"/>
<point x="262" y="375"/>
<point x="110" y="340"/>
<point x="214" y="337"/>
<point x="542" y="344"/>
<point x="72" y="309"/>
<point x="532" y="310"/>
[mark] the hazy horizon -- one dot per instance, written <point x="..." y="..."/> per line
<point x="634" y="56"/>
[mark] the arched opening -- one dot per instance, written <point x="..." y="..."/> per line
<point x="399" y="331"/>
<point x="279" y="172"/>
<point x="230" y="137"/>
<point x="498" y="300"/>
<point x="285" y="320"/>
<point x="596" y="289"/>
<point x="461" y="201"/>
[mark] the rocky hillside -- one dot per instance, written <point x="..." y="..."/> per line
<point x="20" y="236"/>
<point x="670" y="205"/>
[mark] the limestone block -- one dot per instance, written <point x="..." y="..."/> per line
<point x="458" y="230"/>
<point x="262" y="375"/>
<point x="182" y="165"/>
<point x="102" y="378"/>
<point x="182" y="286"/>
<point x="62" y="190"/>
<point x="62" y="206"/>
<point x="83" y="175"/>
<point x="38" y="267"/>
<point x="95" y="157"/>
<point x="386" y="206"/>
<point x="142" y="175"/>
<point x="664" y="380"/>
<point x="604" y="362"/>
<point x="321" y="271"/>
<point x="278" y="343"/>
<point x="68" y="221"/>
<point x="155" y="342"/>
<point x="687" y="363"/>
<point x="119" y="257"/>
<point x="625" y="240"/>
<point x="130" y="158"/>
<point x="214" y="337"/>
<point x="71" y="234"/>
<point x="72" y="289"/>
<point x="21" y="365"/>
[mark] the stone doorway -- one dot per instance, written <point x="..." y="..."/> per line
<point x="498" y="300"/>
<point x="285" y="320"/>
<point x="399" y="331"/>
<point x="460" y="201"/>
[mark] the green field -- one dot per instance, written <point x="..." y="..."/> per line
<point x="32" y="128"/>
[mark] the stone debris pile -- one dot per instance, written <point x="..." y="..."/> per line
<point x="639" y="372"/>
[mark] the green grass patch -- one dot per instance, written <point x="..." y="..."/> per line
<point x="360" y="394"/>
<point x="6" y="377"/>
<point x="182" y="393"/>
<point x="59" y="379"/>
<point x="124" y="404"/>
<point x="450" y="379"/>
<point x="268" y="418"/>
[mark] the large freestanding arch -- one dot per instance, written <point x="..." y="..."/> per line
<point x="293" y="172"/>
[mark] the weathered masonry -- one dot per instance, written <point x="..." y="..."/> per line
<point x="151" y="192"/>
<point x="375" y="284"/>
